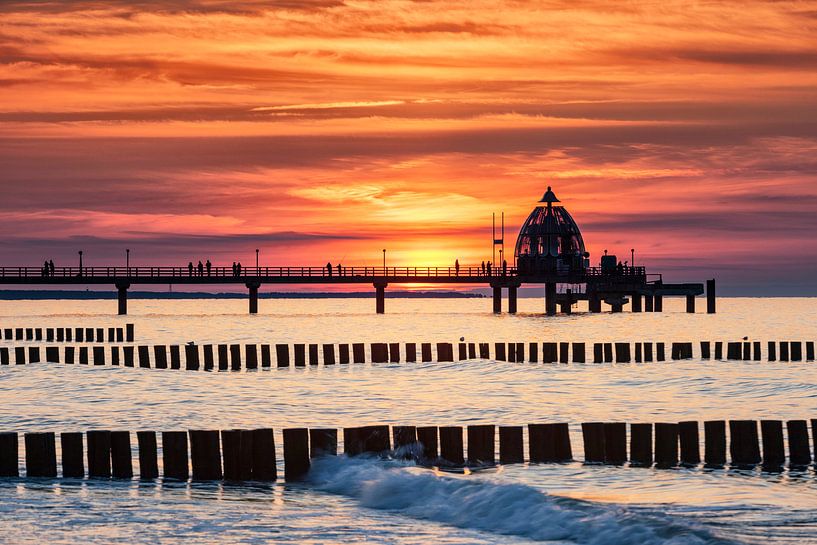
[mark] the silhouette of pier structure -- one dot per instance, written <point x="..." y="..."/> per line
<point x="549" y="251"/>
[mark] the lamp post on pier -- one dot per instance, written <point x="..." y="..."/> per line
<point x="80" y="263"/>
<point x="384" y="261"/>
<point x="127" y="260"/>
<point x="257" y="269"/>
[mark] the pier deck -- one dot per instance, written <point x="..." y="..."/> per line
<point x="592" y="284"/>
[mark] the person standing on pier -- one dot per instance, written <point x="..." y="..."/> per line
<point x="504" y="267"/>
<point x="51" y="266"/>
<point x="238" y="269"/>
<point x="483" y="267"/>
<point x="200" y="268"/>
<point x="338" y="269"/>
<point x="209" y="266"/>
<point x="489" y="268"/>
<point x="190" y="268"/>
<point x="457" y="267"/>
<point x="329" y="268"/>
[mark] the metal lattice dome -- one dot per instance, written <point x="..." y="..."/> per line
<point x="550" y="240"/>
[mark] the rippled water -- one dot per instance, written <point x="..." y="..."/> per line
<point x="353" y="501"/>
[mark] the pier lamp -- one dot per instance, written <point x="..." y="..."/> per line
<point x="632" y="257"/>
<point x="127" y="259"/>
<point x="80" y="262"/>
<point x="384" y="261"/>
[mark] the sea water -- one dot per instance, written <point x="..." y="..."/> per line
<point x="388" y="501"/>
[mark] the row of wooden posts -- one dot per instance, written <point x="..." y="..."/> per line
<point x="229" y="357"/>
<point x="249" y="455"/>
<point x="69" y="334"/>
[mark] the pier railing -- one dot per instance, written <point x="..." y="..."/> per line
<point x="186" y="272"/>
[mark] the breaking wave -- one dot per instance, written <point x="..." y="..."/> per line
<point x="480" y="503"/>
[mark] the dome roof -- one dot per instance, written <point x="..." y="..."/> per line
<point x="550" y="233"/>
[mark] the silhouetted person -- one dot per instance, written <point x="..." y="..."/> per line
<point x="190" y="268"/>
<point x="238" y="269"/>
<point x="457" y="266"/>
<point x="44" y="269"/>
<point x="483" y="266"/>
<point x="51" y="266"/>
<point x="234" y="268"/>
<point x="329" y="268"/>
<point x="504" y="267"/>
<point x="209" y="266"/>
<point x="489" y="268"/>
<point x="620" y="268"/>
<point x="338" y="269"/>
<point x="200" y="268"/>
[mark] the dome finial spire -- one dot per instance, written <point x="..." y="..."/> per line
<point x="549" y="197"/>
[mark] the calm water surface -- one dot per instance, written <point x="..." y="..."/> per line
<point x="367" y="501"/>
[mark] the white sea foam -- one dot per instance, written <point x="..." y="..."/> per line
<point x="485" y="504"/>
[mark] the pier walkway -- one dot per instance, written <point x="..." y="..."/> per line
<point x="616" y="288"/>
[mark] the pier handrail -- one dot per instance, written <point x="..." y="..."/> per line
<point x="175" y="272"/>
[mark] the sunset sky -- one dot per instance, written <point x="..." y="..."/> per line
<point x="327" y="130"/>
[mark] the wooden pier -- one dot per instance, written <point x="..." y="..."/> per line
<point x="616" y="288"/>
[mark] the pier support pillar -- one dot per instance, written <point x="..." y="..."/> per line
<point x="616" y="307"/>
<point x="636" y="307"/>
<point x="648" y="302"/>
<point x="122" y="288"/>
<point x="512" y="299"/>
<point x="594" y="302"/>
<point x="567" y="303"/>
<point x="253" y="287"/>
<point x="659" y="303"/>
<point x="497" y="299"/>
<point x="710" y="296"/>
<point x="380" y="295"/>
<point x="550" y="298"/>
<point x="691" y="304"/>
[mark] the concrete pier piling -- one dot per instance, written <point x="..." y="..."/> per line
<point x="550" y="298"/>
<point x="329" y="354"/>
<point x="282" y="355"/>
<point x="497" y="299"/>
<point x="299" y="351"/>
